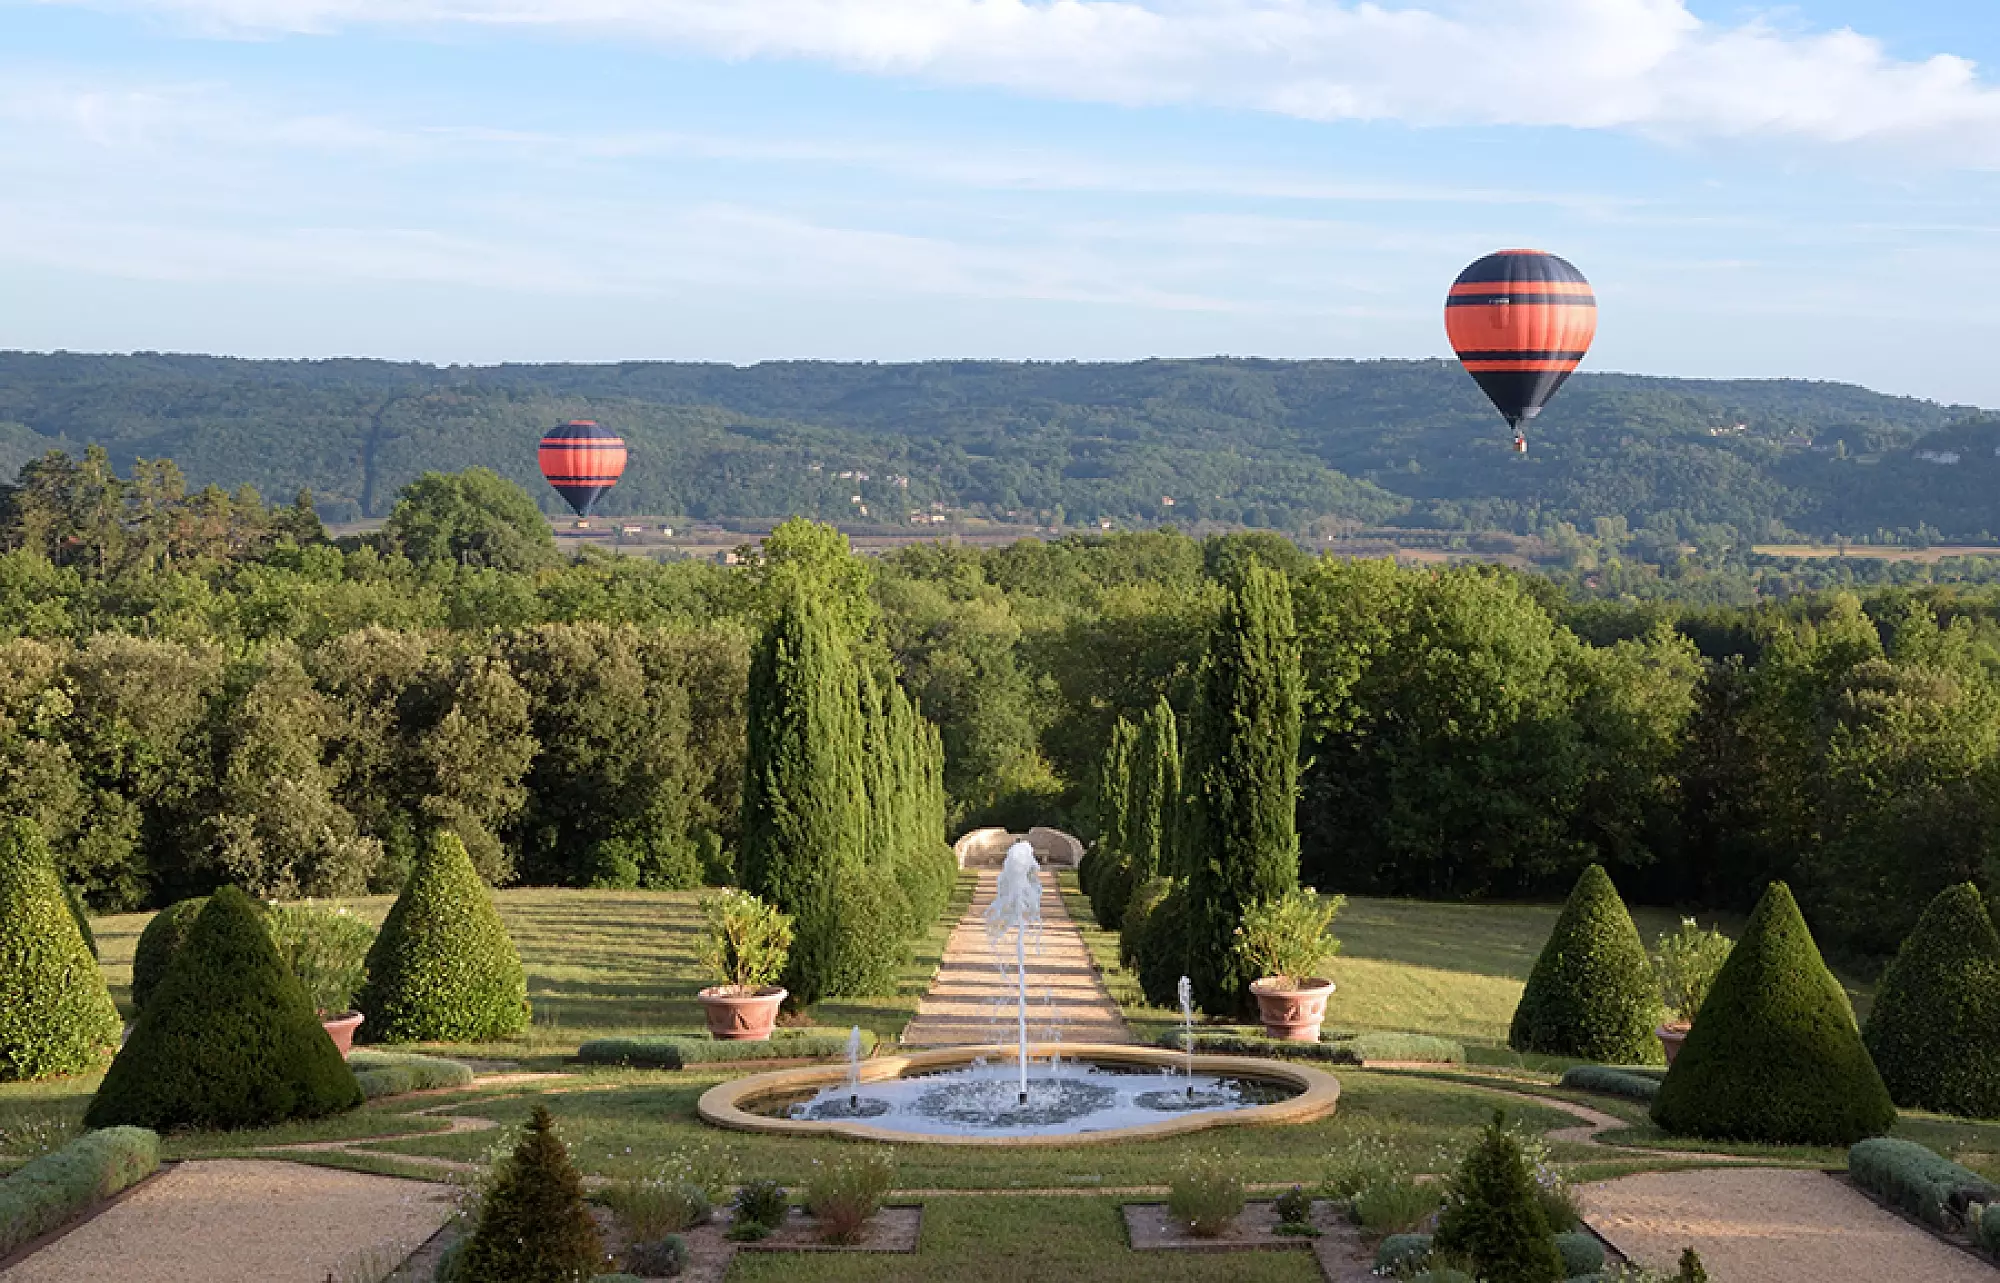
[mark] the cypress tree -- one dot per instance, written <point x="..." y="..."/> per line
<point x="1239" y="837"/>
<point x="533" y="1224"/>
<point x="1935" y="1028"/>
<point x="1493" y="1216"/>
<point x="1153" y="781"/>
<point x="1114" y="800"/>
<point x="1592" y="994"/>
<point x="1774" y="1056"/>
<point x="56" y="1015"/>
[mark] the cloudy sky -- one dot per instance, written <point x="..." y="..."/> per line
<point x="1810" y="191"/>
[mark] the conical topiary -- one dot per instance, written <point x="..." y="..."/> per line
<point x="1592" y="994"/>
<point x="165" y="932"/>
<point x="1774" y="1056"/>
<point x="443" y="968"/>
<point x="229" y="1040"/>
<point x="1493" y="1218"/>
<point x="533" y="1226"/>
<point x="56" y="1015"/>
<point x="80" y="912"/>
<point x="1935" y="1028"/>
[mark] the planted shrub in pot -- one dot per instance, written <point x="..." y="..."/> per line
<point x="1687" y="963"/>
<point x="327" y="949"/>
<point x="1283" y="941"/>
<point x="744" y="948"/>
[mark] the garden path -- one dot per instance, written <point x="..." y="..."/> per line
<point x="971" y="1000"/>
<point x="1766" y="1225"/>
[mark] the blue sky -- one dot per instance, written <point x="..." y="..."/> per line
<point x="1804" y="191"/>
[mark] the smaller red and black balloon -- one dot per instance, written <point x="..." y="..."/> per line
<point x="582" y="460"/>
<point x="1521" y="321"/>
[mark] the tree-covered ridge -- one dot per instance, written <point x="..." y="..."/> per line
<point x="1265" y="443"/>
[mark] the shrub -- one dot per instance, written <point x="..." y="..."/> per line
<point x="1288" y="937"/>
<point x="1133" y="928"/>
<point x="327" y="949"/>
<point x="533" y="1226"/>
<point x="1493" y="1215"/>
<point x="678" y="1194"/>
<point x="158" y="944"/>
<point x="1163" y="947"/>
<point x="1934" y="1031"/>
<point x="1928" y="1186"/>
<point x="383" y="1073"/>
<point x="676" y="1051"/>
<point x="758" y="1208"/>
<point x="1394" y="1204"/>
<point x="56" y="1188"/>
<point x="1608" y="1081"/>
<point x="1295" y="1211"/>
<point x="1581" y="1253"/>
<point x="443" y="969"/>
<point x="1687" y="963"/>
<point x="745" y="942"/>
<point x="1691" y="1270"/>
<point x="229" y="1039"/>
<point x="1591" y="994"/>
<point x="56" y="1015"/>
<point x="1775" y="1057"/>
<point x="661" y="1258"/>
<point x="1205" y="1194"/>
<point x="1984" y="1226"/>
<point x="843" y="1195"/>
<point x="1401" y="1253"/>
<point x="80" y="911"/>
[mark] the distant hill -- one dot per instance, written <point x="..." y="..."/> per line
<point x="1266" y="443"/>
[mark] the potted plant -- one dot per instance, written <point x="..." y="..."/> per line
<point x="1687" y="962"/>
<point x="327" y="949"/>
<point x="744" y="948"/>
<point x="1282" y="942"/>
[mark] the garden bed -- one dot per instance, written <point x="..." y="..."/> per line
<point x="710" y="1252"/>
<point x="1339" y="1252"/>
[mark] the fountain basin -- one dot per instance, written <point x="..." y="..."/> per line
<point x="1307" y="1094"/>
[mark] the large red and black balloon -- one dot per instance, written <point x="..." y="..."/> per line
<point x="582" y="460"/>
<point x="1520" y="321"/>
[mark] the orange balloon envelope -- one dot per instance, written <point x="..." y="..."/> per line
<point x="1520" y="321"/>
<point x="582" y="461"/>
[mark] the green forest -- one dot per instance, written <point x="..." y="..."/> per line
<point x="197" y="688"/>
<point x="1270" y="444"/>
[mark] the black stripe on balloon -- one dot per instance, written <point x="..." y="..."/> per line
<point x="1518" y="299"/>
<point x="580" y="432"/>
<point x="1481" y="354"/>
<point x="1521" y="269"/>
<point x="1520" y="394"/>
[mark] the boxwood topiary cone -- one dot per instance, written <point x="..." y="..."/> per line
<point x="1592" y="994"/>
<point x="1774" y="1056"/>
<point x="229" y="1040"/>
<point x="1935" y="1028"/>
<point x="533" y="1226"/>
<point x="443" y="968"/>
<point x="165" y="932"/>
<point x="56" y="1015"/>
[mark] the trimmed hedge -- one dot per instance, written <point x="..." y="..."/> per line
<point x="390" y="1073"/>
<point x="1353" y="1049"/>
<point x="443" y="968"/>
<point x="1928" y="1186"/>
<point x="1606" y="1080"/>
<point x="1774" y="1056"/>
<point x="1581" y="1253"/>
<point x="56" y="1015"/>
<point x="229" y="1040"/>
<point x="56" y="1188"/>
<point x="677" y="1051"/>
<point x="81" y="912"/>
<point x="165" y="932"/>
<point x="1934" y="1030"/>
<point x="1161" y="943"/>
<point x="1592" y="994"/>
<point x="1402" y="1251"/>
<point x="1985" y="1229"/>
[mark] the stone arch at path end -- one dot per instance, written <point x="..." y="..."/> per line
<point x="986" y="848"/>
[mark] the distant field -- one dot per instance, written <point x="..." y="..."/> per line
<point x="1875" y="552"/>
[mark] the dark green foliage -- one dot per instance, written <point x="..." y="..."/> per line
<point x="56" y="1015"/>
<point x="1138" y="908"/>
<point x="1691" y="1270"/>
<point x="533" y="1224"/>
<point x="229" y="1040"/>
<point x="1337" y="1049"/>
<point x="1774" y="1056"/>
<point x="763" y="1203"/>
<point x="474" y="517"/>
<point x="80" y="911"/>
<point x="443" y="968"/>
<point x="1494" y="1219"/>
<point x="383" y="1073"/>
<point x="165" y="932"/>
<point x="1592" y="994"/>
<point x="1927" y="1185"/>
<point x="1607" y="1081"/>
<point x="676" y="1052"/>
<point x="1165" y="939"/>
<point x="1581" y="1253"/>
<point x="1401" y="1252"/>
<point x="56" y="1188"/>
<point x="1236" y="837"/>
<point x="1139" y="788"/>
<point x="1110" y="871"/>
<point x="663" y="1258"/>
<point x="1934" y="1030"/>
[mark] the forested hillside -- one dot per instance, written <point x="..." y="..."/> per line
<point x="1262" y="443"/>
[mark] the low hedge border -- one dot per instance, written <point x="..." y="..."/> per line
<point x="1913" y="1179"/>
<point x="677" y="1051"/>
<point x="56" y="1188"/>
<point x="1606" y="1080"/>
<point x="396" y="1073"/>
<point x="1340" y="1049"/>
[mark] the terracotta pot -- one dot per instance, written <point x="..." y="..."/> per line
<point x="736" y="1014"/>
<point x="1671" y="1037"/>
<point x="341" y="1030"/>
<point x="1292" y="1009"/>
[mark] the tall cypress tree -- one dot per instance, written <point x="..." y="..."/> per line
<point x="1152" y="785"/>
<point x="1114" y="799"/>
<point x="1238" y="834"/>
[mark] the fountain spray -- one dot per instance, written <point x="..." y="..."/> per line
<point x="854" y="1067"/>
<point x="1185" y="990"/>
<point x="1017" y="906"/>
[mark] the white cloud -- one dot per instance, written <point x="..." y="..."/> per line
<point x="1640" y="65"/>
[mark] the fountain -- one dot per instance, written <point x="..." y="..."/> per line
<point x="970" y="1095"/>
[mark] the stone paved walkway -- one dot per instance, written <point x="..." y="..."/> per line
<point x="972" y="999"/>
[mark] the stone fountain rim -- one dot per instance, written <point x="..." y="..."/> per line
<point x="1319" y="1094"/>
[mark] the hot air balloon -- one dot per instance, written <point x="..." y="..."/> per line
<point x="582" y="460"/>
<point x="1520" y="321"/>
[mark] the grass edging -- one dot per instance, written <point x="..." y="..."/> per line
<point x="56" y="1188"/>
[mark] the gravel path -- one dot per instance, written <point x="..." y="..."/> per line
<point x="1770" y="1225"/>
<point x="237" y="1221"/>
